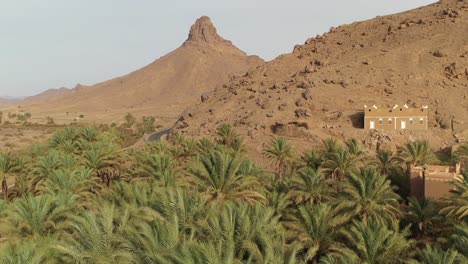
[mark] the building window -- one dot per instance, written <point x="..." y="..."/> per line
<point x="421" y="120"/>
<point x="411" y="121"/>
<point x="380" y="121"/>
<point x="389" y="121"/>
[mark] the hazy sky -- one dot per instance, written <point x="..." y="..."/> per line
<point x="53" y="43"/>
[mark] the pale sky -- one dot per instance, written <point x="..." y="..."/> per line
<point x="53" y="43"/>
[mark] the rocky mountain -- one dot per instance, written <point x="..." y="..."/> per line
<point x="165" y="87"/>
<point x="7" y="101"/>
<point x="418" y="57"/>
<point x="48" y="95"/>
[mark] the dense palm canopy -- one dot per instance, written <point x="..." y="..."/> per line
<point x="204" y="201"/>
<point x="280" y="153"/>
<point x="219" y="175"/>
<point x="369" y="195"/>
<point x="375" y="243"/>
<point x="417" y="153"/>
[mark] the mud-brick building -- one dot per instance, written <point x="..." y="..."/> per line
<point x="433" y="181"/>
<point x="396" y="118"/>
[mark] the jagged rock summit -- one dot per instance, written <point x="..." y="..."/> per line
<point x="204" y="31"/>
<point x="165" y="87"/>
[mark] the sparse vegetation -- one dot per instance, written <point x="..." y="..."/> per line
<point x="80" y="199"/>
<point x="146" y="125"/>
<point x="130" y="120"/>
<point x="50" y="120"/>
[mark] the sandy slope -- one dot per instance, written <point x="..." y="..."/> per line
<point x="419" y="57"/>
<point x="165" y="87"/>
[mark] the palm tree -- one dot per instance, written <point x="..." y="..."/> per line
<point x="417" y="153"/>
<point x="355" y="148"/>
<point x="310" y="187"/>
<point x="421" y="213"/>
<point x="385" y="162"/>
<point x="188" y="149"/>
<point x="330" y="145"/>
<point x="45" y="166"/>
<point x="280" y="153"/>
<point x="182" y="204"/>
<point x="204" y="145"/>
<point x="96" y="238"/>
<point x="367" y="195"/>
<point x="226" y="134"/>
<point x="339" y="164"/>
<point x="34" y="252"/>
<point x="278" y="201"/>
<point x="462" y="152"/>
<point x="249" y="233"/>
<point x="154" y="242"/>
<point x="98" y="157"/>
<point x="89" y="134"/>
<point x="218" y="175"/>
<point x="158" y="166"/>
<point x="459" y="239"/>
<point x="8" y="165"/>
<point x="33" y="217"/>
<point x="435" y="255"/>
<point x="456" y="204"/>
<point x="78" y="182"/>
<point x="312" y="158"/>
<point x="315" y="230"/>
<point x="374" y="243"/>
<point x="65" y="140"/>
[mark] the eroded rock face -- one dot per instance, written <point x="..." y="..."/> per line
<point x="204" y="31"/>
<point x="328" y="80"/>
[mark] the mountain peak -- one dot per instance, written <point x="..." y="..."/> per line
<point x="203" y="31"/>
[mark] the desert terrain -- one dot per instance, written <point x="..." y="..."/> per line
<point x="208" y="155"/>
<point x="417" y="58"/>
<point x="164" y="88"/>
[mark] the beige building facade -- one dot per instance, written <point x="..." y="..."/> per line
<point x="433" y="181"/>
<point x="396" y="118"/>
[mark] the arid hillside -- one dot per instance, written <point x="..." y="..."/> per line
<point x="165" y="87"/>
<point x="8" y="101"/>
<point x="419" y="57"/>
<point x="48" y="95"/>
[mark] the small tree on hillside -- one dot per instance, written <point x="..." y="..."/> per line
<point x="1" y="116"/>
<point x="50" y="120"/>
<point x="130" y="120"/>
<point x="146" y="125"/>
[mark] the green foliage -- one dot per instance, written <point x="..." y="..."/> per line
<point x="280" y="152"/>
<point x="436" y="255"/>
<point x="50" y="120"/>
<point x="417" y="153"/>
<point x="219" y="175"/>
<point x="82" y="197"/>
<point x="376" y="243"/>
<point x="369" y="195"/>
<point x="130" y="120"/>
<point x="146" y="125"/>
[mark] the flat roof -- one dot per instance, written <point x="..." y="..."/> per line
<point x="395" y="112"/>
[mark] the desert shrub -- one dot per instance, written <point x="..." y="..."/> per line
<point x="146" y="125"/>
<point x="130" y="120"/>
<point x="50" y="120"/>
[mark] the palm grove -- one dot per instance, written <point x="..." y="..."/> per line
<point x="84" y="198"/>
